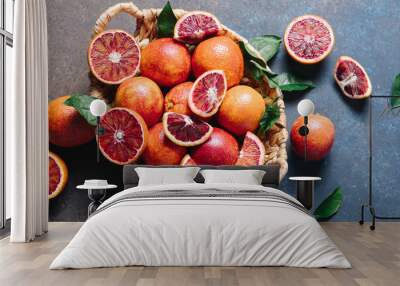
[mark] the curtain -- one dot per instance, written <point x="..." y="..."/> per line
<point x="26" y="124"/>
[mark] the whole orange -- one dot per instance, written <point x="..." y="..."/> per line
<point x="142" y="95"/>
<point x="160" y="150"/>
<point x="67" y="128"/>
<point x="220" y="149"/>
<point x="320" y="137"/>
<point x="220" y="53"/>
<point x="165" y="61"/>
<point x="176" y="99"/>
<point x="241" y="110"/>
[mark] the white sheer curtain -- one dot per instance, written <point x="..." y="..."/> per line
<point x="26" y="124"/>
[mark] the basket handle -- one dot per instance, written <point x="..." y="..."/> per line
<point x="108" y="14"/>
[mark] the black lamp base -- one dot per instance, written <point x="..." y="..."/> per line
<point x="372" y="212"/>
<point x="303" y="131"/>
<point x="305" y="193"/>
<point x="374" y="216"/>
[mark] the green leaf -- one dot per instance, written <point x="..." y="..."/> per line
<point x="254" y="71"/>
<point x="288" y="82"/>
<point x="267" y="45"/>
<point x="166" y="22"/>
<point x="255" y="67"/>
<point x="249" y="53"/>
<point x="264" y="69"/>
<point x="395" y="100"/>
<point x="82" y="104"/>
<point x="271" y="115"/>
<point x="250" y="69"/>
<point x="330" y="205"/>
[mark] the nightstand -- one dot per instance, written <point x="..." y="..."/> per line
<point x="305" y="190"/>
<point x="97" y="190"/>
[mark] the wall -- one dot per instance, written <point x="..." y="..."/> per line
<point x="367" y="30"/>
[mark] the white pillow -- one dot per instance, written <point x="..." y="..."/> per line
<point x="166" y="176"/>
<point x="248" y="177"/>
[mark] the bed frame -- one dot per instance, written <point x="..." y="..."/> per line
<point x="271" y="177"/>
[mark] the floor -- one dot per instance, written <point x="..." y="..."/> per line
<point x="375" y="257"/>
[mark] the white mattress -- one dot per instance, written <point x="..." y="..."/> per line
<point x="200" y="231"/>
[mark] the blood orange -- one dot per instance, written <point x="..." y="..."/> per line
<point x="352" y="78"/>
<point x="188" y="161"/>
<point x="67" y="128"/>
<point x="124" y="135"/>
<point x="176" y="99"/>
<point x="58" y="175"/>
<point x="184" y="130"/>
<point x="220" y="149"/>
<point x="142" y="95"/>
<point x="114" y="56"/>
<point x="252" y="152"/>
<point x="241" y="110"/>
<point x="196" y="26"/>
<point x="219" y="53"/>
<point x="207" y="93"/>
<point x="166" y="61"/>
<point x="320" y="138"/>
<point x="309" y="39"/>
<point x="161" y="150"/>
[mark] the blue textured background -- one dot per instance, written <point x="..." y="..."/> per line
<point x="368" y="30"/>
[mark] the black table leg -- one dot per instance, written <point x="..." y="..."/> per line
<point x="305" y="193"/>
<point x="96" y="197"/>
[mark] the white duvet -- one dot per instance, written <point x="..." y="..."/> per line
<point x="199" y="231"/>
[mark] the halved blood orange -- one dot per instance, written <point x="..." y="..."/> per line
<point x="207" y="93"/>
<point x="184" y="130"/>
<point x="252" y="152"/>
<point x="196" y="26"/>
<point x="309" y="39"/>
<point x="188" y="161"/>
<point x="58" y="175"/>
<point x="352" y="78"/>
<point x="124" y="135"/>
<point x="114" y="56"/>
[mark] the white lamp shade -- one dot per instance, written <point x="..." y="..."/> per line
<point x="305" y="107"/>
<point x="98" y="107"/>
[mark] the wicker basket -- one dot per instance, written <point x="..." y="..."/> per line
<point x="146" y="31"/>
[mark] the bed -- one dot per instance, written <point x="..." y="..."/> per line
<point x="199" y="224"/>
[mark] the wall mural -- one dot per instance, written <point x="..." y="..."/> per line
<point x="198" y="94"/>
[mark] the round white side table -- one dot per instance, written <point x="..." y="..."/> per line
<point x="96" y="195"/>
<point x="305" y="190"/>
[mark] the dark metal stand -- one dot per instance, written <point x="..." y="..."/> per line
<point x="303" y="131"/>
<point x="96" y="197"/>
<point x="305" y="189"/>
<point x="369" y="205"/>
<point x="305" y="193"/>
<point x="98" y="138"/>
<point x="99" y="132"/>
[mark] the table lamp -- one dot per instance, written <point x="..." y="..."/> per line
<point x="98" y="108"/>
<point x="305" y="108"/>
